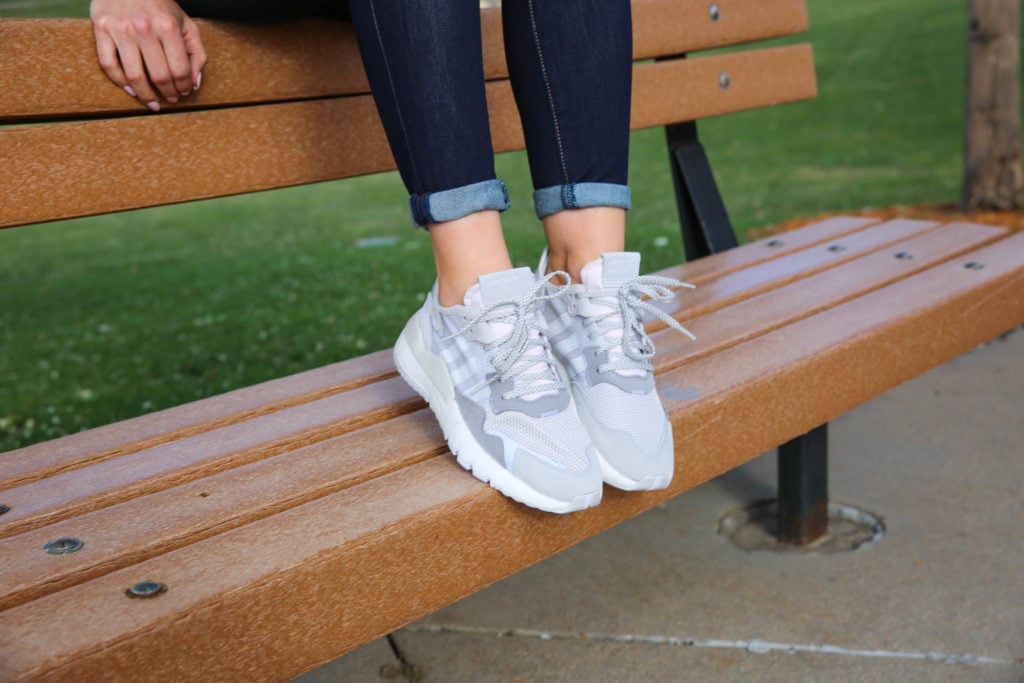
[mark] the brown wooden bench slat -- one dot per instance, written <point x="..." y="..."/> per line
<point x="143" y="527"/>
<point x="765" y="249"/>
<point x="758" y="315"/>
<point x="114" y="480"/>
<point x="48" y="71"/>
<point x="110" y="481"/>
<point x="299" y="605"/>
<point x="767" y="275"/>
<point x="48" y="458"/>
<point x="38" y="461"/>
<point x="672" y="27"/>
<point x="150" y="525"/>
<point x="113" y="165"/>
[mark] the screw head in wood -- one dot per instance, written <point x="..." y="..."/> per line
<point x="714" y="12"/>
<point x="63" y="546"/>
<point x="904" y="256"/>
<point x="836" y="248"/>
<point x="3" y="509"/>
<point x="146" y="589"/>
<point x="723" y="80"/>
<point x="974" y="265"/>
<point x="773" y="243"/>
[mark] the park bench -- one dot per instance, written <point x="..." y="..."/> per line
<point x="260" y="533"/>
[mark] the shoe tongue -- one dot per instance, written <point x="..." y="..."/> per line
<point x="505" y="285"/>
<point x="611" y="271"/>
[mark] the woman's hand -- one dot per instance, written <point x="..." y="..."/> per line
<point x="150" y="48"/>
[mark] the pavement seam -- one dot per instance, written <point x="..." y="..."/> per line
<point x="752" y="646"/>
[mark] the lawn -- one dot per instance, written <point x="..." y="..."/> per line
<point x="109" y="317"/>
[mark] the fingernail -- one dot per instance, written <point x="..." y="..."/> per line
<point x="128" y="89"/>
<point x="154" y="106"/>
<point x="172" y="100"/>
<point x="199" y="80"/>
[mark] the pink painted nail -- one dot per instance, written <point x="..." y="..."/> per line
<point x="154" y="106"/>
<point x="128" y="89"/>
<point x="172" y="100"/>
<point x="199" y="80"/>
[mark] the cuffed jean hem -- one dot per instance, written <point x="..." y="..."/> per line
<point x="447" y="205"/>
<point x="549" y="200"/>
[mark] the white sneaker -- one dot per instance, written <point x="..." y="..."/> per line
<point x="597" y="335"/>
<point x="486" y="370"/>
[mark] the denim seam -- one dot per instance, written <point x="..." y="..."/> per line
<point x="569" y="196"/>
<point x="394" y="93"/>
<point x="547" y="87"/>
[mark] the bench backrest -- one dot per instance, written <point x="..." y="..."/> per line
<point x="289" y="104"/>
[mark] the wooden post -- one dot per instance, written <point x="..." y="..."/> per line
<point x="992" y="140"/>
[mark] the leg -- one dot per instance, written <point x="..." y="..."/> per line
<point x="571" y="71"/>
<point x="459" y="267"/>
<point x="424" y="63"/>
<point x="578" y="236"/>
<point x="483" y="365"/>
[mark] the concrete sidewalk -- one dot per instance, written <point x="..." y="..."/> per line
<point x="663" y="597"/>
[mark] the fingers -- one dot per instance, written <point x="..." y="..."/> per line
<point x="135" y="72"/>
<point x="106" y="50"/>
<point x="150" y="48"/>
<point x="195" y="49"/>
<point x="159" y="43"/>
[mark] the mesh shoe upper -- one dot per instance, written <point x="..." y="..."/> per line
<point x="597" y="333"/>
<point x="506" y="384"/>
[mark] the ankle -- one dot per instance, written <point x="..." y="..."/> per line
<point x="465" y="249"/>
<point x="578" y="236"/>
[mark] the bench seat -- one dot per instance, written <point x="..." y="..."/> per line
<point x="297" y="519"/>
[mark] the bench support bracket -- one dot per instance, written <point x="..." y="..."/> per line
<point x="705" y="222"/>
<point x="803" y="462"/>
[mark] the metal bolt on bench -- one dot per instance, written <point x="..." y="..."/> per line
<point x="803" y="462"/>
<point x="146" y="589"/>
<point x="64" y="546"/>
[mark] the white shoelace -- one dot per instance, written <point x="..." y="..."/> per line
<point x="523" y="353"/>
<point x="626" y="306"/>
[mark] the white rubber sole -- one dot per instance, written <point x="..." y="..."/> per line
<point x="468" y="452"/>
<point x="613" y="477"/>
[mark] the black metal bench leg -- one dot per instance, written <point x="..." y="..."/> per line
<point x="803" y="487"/>
<point x="803" y="462"/>
<point x="702" y="215"/>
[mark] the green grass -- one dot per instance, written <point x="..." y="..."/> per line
<point x="20" y="9"/>
<point x="106" y="318"/>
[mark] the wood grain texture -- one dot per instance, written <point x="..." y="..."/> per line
<point x="143" y="527"/>
<point x="787" y="304"/>
<point x="46" y="459"/>
<point x="50" y="71"/>
<point x="110" y="165"/>
<point x="344" y="569"/>
<point x="153" y="524"/>
<point x="118" y="479"/>
<point x="713" y="294"/>
<point x="25" y="465"/>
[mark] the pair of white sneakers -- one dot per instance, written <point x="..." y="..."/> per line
<point x="546" y="391"/>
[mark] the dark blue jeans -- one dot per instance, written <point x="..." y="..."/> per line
<point x="570" y="64"/>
